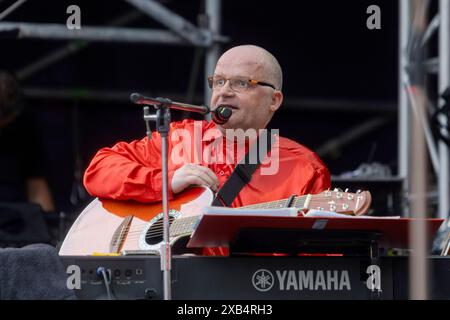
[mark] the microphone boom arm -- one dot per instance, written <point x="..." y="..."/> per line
<point x="140" y="99"/>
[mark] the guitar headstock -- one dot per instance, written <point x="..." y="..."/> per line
<point x="341" y="201"/>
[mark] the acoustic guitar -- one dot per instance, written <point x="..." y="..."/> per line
<point x="111" y="226"/>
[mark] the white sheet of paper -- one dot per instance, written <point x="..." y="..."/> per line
<point x="328" y="214"/>
<point x="282" y="212"/>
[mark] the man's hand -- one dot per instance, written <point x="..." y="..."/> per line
<point x="193" y="174"/>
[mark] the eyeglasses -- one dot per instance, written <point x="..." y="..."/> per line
<point x="238" y="84"/>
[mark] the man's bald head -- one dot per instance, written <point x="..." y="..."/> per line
<point x="267" y="65"/>
<point x="253" y="105"/>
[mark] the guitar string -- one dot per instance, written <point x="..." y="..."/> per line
<point x="137" y="230"/>
<point x="160" y="221"/>
<point x="157" y="225"/>
<point x="299" y="200"/>
<point x="157" y="232"/>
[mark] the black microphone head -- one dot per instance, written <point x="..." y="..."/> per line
<point x="222" y="114"/>
<point x="135" y="97"/>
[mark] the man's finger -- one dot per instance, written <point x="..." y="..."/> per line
<point x="200" y="178"/>
<point x="209" y="172"/>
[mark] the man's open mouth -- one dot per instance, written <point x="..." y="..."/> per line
<point x="228" y="106"/>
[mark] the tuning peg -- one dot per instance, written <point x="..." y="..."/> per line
<point x="350" y="196"/>
<point x="344" y="206"/>
<point x="358" y="192"/>
<point x="346" y="190"/>
<point x="337" y="190"/>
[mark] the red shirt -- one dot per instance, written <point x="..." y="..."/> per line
<point x="133" y="170"/>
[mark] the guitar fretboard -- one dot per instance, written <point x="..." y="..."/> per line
<point x="186" y="225"/>
<point x="183" y="226"/>
<point x="298" y="202"/>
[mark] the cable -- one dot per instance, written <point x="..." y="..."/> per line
<point x="101" y="272"/>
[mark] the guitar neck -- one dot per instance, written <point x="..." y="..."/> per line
<point x="300" y="202"/>
<point x="185" y="226"/>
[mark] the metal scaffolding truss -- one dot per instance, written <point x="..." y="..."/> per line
<point x="416" y="140"/>
<point x="410" y="107"/>
<point x="180" y="32"/>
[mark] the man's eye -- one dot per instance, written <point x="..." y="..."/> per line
<point x="219" y="82"/>
<point x="242" y="83"/>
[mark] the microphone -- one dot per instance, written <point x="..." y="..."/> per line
<point x="221" y="114"/>
<point x="140" y="99"/>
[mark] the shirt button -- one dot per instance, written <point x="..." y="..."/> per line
<point x="221" y="173"/>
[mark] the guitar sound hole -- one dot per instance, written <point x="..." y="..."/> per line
<point x="154" y="234"/>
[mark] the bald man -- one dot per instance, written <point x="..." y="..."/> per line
<point x="247" y="79"/>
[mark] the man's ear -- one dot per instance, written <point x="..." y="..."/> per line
<point x="277" y="100"/>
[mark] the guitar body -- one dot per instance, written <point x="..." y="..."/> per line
<point x="110" y="226"/>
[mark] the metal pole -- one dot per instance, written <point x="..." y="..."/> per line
<point x="213" y="13"/>
<point x="69" y="49"/>
<point x="418" y="233"/>
<point x="350" y="136"/>
<point x="11" y="8"/>
<point x="174" y="22"/>
<point x="385" y="109"/>
<point x="418" y="275"/>
<point x="424" y="124"/>
<point x="403" y="112"/>
<point x="163" y="127"/>
<point x="444" y="82"/>
<point x="51" y="31"/>
<point x="166" y="252"/>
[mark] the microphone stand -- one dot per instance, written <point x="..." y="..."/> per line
<point x="162" y="119"/>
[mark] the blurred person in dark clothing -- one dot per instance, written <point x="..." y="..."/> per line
<point x="22" y="177"/>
